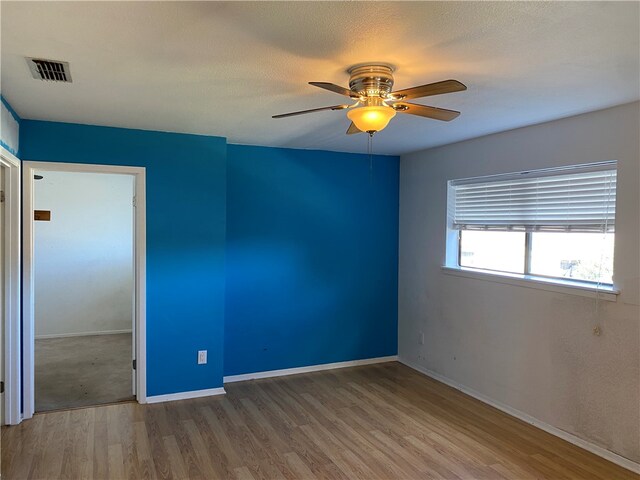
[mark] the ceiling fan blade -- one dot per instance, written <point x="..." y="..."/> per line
<point x="335" y="89"/>
<point x="353" y="129"/>
<point x="425" y="111"/>
<point x="438" y="88"/>
<point x="301" y="112"/>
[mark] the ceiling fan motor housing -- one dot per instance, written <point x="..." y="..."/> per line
<point x="371" y="80"/>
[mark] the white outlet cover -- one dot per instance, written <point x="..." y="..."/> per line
<point x="202" y="357"/>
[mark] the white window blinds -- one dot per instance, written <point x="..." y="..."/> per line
<point x="577" y="199"/>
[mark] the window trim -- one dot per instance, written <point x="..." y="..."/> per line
<point x="551" y="284"/>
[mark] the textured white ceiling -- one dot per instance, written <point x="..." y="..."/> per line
<point x="223" y="69"/>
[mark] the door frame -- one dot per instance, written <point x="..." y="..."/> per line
<point x="139" y="201"/>
<point x="12" y="307"/>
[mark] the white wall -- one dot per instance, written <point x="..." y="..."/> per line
<point x="9" y="129"/>
<point x="531" y="350"/>
<point x="84" y="255"/>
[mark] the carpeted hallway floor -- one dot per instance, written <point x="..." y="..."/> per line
<point x="79" y="371"/>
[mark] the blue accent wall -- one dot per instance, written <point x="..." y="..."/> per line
<point x="305" y="243"/>
<point x="312" y="258"/>
<point x="186" y="208"/>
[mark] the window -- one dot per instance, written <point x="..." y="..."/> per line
<point x="501" y="251"/>
<point x="554" y="223"/>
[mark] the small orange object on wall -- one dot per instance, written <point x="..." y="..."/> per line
<point x="42" y="215"/>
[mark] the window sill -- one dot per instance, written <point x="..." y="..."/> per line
<point x="583" y="289"/>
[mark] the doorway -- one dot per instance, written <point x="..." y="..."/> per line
<point x="83" y="285"/>
<point x="83" y="289"/>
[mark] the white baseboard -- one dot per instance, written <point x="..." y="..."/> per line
<point x="312" y="368"/>
<point x="569" y="437"/>
<point x="273" y="373"/>
<point x="81" y="334"/>
<point x="170" y="397"/>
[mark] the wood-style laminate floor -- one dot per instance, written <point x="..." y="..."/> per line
<point x="375" y="422"/>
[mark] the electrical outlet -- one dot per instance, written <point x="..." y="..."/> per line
<point x="202" y="357"/>
<point x="421" y="338"/>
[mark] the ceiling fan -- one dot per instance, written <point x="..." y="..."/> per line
<point x="375" y="104"/>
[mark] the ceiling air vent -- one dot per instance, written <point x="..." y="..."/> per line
<point x="50" y="70"/>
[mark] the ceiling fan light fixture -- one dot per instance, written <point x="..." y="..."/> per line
<point x="371" y="118"/>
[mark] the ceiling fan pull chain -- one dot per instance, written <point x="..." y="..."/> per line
<point x="370" y="152"/>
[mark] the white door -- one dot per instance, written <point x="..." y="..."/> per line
<point x="3" y="302"/>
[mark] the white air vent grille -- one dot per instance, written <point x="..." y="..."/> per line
<point x="50" y="70"/>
